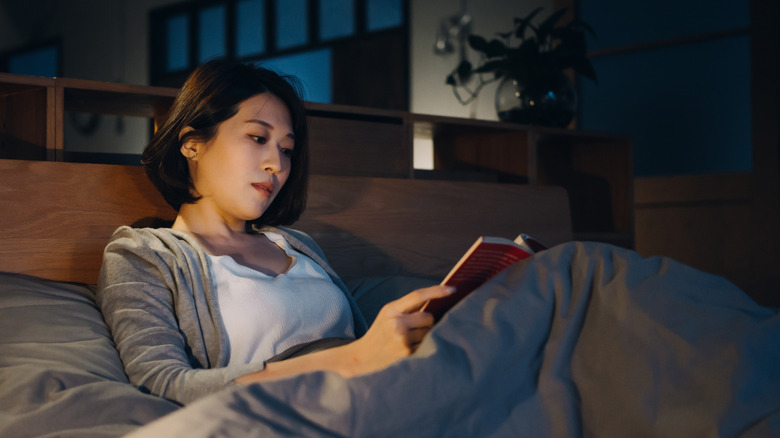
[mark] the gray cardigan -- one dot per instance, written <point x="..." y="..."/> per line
<point x="158" y="299"/>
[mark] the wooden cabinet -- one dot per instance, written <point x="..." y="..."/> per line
<point x="595" y="168"/>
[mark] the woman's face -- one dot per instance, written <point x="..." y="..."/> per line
<point x="242" y="169"/>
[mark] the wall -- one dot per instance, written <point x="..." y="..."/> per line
<point x="706" y="192"/>
<point x="18" y="26"/>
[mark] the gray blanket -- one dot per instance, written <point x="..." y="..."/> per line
<point x="580" y="340"/>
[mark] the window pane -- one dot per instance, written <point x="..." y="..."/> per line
<point x="38" y="62"/>
<point x="211" y="33"/>
<point x="621" y="22"/>
<point x="177" y="42"/>
<point x="383" y="14"/>
<point x="686" y="108"/>
<point x="311" y="68"/>
<point x="250" y="27"/>
<point x="291" y="23"/>
<point x="337" y="18"/>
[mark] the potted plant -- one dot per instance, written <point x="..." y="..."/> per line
<point x="533" y="85"/>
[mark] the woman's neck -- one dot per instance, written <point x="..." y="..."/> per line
<point x="206" y="224"/>
<point x="218" y="237"/>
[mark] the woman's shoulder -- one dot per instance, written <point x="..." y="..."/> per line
<point x="151" y="243"/>
<point x="128" y="235"/>
<point x="134" y="253"/>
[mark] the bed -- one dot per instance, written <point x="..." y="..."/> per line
<point x="583" y="339"/>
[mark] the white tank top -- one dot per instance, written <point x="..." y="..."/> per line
<point x="266" y="315"/>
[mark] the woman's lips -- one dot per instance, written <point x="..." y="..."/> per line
<point x="266" y="188"/>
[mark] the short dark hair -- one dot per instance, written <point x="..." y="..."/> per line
<point x="210" y="95"/>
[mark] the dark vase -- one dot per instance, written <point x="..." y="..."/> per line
<point x="552" y="103"/>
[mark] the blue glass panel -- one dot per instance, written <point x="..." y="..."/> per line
<point x="383" y="14"/>
<point x="39" y="62"/>
<point x="177" y="42"/>
<point x="337" y="18"/>
<point x="211" y="33"/>
<point x="291" y="23"/>
<point x="621" y="22"/>
<point x="686" y="108"/>
<point x="311" y="68"/>
<point x="250" y="27"/>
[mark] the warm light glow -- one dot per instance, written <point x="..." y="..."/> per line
<point x="423" y="153"/>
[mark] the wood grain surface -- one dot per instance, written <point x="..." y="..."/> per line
<point x="56" y="218"/>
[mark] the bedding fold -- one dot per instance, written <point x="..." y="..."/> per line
<point x="584" y="339"/>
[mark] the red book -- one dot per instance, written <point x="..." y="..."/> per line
<point x="487" y="257"/>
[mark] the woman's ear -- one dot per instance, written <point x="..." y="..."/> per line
<point x="190" y="147"/>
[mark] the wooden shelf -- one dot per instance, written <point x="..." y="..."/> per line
<point x="595" y="168"/>
<point x="32" y="110"/>
<point x="117" y="99"/>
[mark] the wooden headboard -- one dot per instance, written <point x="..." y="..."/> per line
<point x="57" y="217"/>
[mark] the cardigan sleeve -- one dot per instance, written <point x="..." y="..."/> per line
<point x="146" y="292"/>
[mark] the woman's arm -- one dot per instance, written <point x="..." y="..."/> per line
<point x="396" y="332"/>
<point x="160" y="318"/>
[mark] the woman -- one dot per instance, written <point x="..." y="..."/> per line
<point x="224" y="294"/>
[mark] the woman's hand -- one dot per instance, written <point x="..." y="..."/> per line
<point x="396" y="332"/>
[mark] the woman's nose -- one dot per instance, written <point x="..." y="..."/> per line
<point x="272" y="162"/>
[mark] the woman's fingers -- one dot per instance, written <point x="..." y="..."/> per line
<point x="415" y="336"/>
<point x="418" y="320"/>
<point x="414" y="327"/>
<point x="413" y="301"/>
<point x="396" y="332"/>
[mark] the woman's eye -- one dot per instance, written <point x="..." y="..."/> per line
<point x="259" y="139"/>
<point x="287" y="152"/>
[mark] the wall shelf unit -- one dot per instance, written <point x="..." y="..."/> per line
<point x="595" y="168"/>
<point x="32" y="110"/>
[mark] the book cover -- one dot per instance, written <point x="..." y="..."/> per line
<point x="487" y="257"/>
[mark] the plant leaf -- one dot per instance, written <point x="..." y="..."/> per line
<point x="586" y="69"/>
<point x="571" y="42"/>
<point x="494" y="66"/>
<point x="464" y="71"/>
<point x="549" y="24"/>
<point x="492" y="49"/>
<point x="496" y="49"/>
<point x="527" y="52"/>
<point x="451" y="80"/>
<point x="478" y="43"/>
<point x="523" y="23"/>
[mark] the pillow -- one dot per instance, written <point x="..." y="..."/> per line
<point x="371" y="293"/>
<point x="59" y="370"/>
